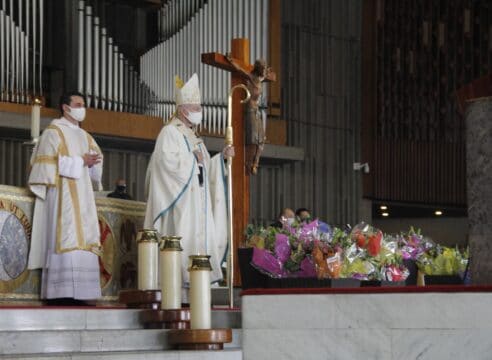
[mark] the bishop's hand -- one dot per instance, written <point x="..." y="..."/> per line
<point x="228" y="151"/>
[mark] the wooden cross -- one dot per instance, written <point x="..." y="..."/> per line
<point x="240" y="175"/>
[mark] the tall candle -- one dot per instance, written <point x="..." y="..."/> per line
<point x="171" y="279"/>
<point x="148" y="253"/>
<point x="35" y="119"/>
<point x="200" y="294"/>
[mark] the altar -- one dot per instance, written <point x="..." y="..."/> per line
<point x="119" y="221"/>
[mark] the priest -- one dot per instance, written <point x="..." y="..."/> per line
<point x="186" y="187"/>
<point x="66" y="168"/>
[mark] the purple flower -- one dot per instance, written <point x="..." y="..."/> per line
<point x="307" y="268"/>
<point x="266" y="262"/>
<point x="282" y="247"/>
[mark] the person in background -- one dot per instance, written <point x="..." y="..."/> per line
<point x="287" y="215"/>
<point x="303" y="215"/>
<point x="120" y="191"/>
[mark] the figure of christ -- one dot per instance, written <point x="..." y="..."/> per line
<point x="255" y="131"/>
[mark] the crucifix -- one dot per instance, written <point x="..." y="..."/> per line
<point x="240" y="171"/>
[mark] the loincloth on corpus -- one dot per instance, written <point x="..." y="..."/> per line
<point x="255" y="133"/>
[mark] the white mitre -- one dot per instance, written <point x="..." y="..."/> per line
<point x="188" y="93"/>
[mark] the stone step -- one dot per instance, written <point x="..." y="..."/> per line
<point x="99" y="318"/>
<point x="226" y="354"/>
<point x="86" y="341"/>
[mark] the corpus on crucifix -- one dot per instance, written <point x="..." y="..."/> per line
<point x="240" y="170"/>
<point x="254" y="131"/>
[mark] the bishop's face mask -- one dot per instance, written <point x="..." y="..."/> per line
<point x="77" y="113"/>
<point x="195" y="117"/>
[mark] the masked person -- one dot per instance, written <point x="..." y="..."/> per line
<point x="66" y="168"/>
<point x="120" y="191"/>
<point x="186" y="187"/>
<point x="287" y="216"/>
<point x="303" y="215"/>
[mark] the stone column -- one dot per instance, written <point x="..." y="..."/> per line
<point x="478" y="119"/>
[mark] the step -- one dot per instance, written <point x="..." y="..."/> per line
<point x="86" y="341"/>
<point x="89" y="318"/>
<point x="226" y="354"/>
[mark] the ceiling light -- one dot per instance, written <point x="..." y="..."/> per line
<point x="385" y="214"/>
<point x="383" y="207"/>
<point x="438" y="212"/>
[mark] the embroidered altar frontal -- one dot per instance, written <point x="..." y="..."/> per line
<point x="119" y="221"/>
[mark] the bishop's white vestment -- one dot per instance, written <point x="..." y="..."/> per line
<point x="177" y="203"/>
<point x="65" y="236"/>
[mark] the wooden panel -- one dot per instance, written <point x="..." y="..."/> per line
<point x="425" y="51"/>
<point x="26" y="109"/>
<point x="103" y="122"/>
<point x="111" y="123"/>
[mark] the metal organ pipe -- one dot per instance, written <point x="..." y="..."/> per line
<point x="41" y="17"/>
<point x="120" y="83"/>
<point x="115" y="78"/>
<point x="88" y="55"/>
<point x="96" y="62"/>
<point x="81" y="46"/>
<point x="110" y="73"/>
<point x="104" y="66"/>
<point x="26" y="50"/>
<point x="20" y="45"/>
<point x="2" y="53"/>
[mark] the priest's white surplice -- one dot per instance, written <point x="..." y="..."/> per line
<point x="177" y="203"/>
<point x="65" y="237"/>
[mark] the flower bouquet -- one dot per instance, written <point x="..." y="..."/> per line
<point x="373" y="258"/>
<point x="443" y="265"/>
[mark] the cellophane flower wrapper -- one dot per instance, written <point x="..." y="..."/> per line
<point x="327" y="259"/>
<point x="267" y="263"/>
<point x="360" y="269"/>
<point x="442" y="261"/>
<point x="413" y="244"/>
<point x="395" y="273"/>
<point x="282" y="248"/>
<point x="367" y="237"/>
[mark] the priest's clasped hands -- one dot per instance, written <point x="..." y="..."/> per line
<point x="91" y="159"/>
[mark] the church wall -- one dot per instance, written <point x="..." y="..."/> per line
<point x="321" y="103"/>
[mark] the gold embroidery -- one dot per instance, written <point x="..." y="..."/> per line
<point x="46" y="159"/>
<point x="44" y="184"/>
<point x="72" y="187"/>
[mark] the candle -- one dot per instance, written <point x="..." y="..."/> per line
<point x="147" y="259"/>
<point x="200" y="294"/>
<point x="171" y="279"/>
<point x="35" y="119"/>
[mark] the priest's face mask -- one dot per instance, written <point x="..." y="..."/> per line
<point x="76" y="109"/>
<point x="191" y="112"/>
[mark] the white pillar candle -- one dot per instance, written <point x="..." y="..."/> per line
<point x="171" y="279"/>
<point x="35" y="120"/>
<point x="148" y="255"/>
<point x="200" y="295"/>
